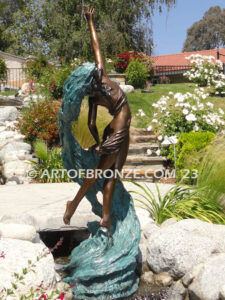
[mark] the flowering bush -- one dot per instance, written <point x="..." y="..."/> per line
<point x="177" y="113"/>
<point x="123" y="60"/>
<point x="189" y="145"/>
<point x="52" y="82"/>
<point x="136" y="73"/>
<point x="206" y="71"/>
<point x="40" y="121"/>
<point x="35" y="68"/>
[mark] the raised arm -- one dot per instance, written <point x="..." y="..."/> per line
<point x="94" y="40"/>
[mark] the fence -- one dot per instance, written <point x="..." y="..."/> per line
<point x="14" y="79"/>
<point x="170" y="70"/>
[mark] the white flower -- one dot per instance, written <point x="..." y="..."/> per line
<point x="196" y="127"/>
<point x="191" y="118"/>
<point x="160" y="138"/>
<point x="149" y="128"/>
<point x="209" y="104"/>
<point x="221" y="111"/>
<point x="185" y="111"/>
<point x="154" y="121"/>
<point x="171" y="93"/>
<point x="158" y="152"/>
<point x="149" y="152"/>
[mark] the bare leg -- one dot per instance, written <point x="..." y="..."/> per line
<point x="109" y="185"/>
<point x="108" y="191"/>
<point x="105" y="162"/>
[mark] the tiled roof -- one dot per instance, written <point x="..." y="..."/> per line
<point x="179" y="59"/>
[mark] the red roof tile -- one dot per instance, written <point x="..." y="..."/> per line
<point x="179" y="59"/>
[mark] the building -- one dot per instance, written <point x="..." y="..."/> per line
<point x="15" y="65"/>
<point x="174" y="65"/>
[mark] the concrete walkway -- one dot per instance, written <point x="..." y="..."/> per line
<point x="46" y="203"/>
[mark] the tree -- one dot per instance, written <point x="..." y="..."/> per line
<point x="58" y="27"/>
<point x="208" y="33"/>
<point x="7" y="9"/>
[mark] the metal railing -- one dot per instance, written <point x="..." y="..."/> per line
<point x="14" y="79"/>
<point x="170" y="70"/>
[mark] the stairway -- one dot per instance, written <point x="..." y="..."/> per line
<point x="141" y="165"/>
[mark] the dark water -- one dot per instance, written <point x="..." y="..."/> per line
<point x="144" y="292"/>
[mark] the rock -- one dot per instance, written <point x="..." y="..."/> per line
<point x="5" y="137"/>
<point x="16" y="148"/>
<point x="8" y="113"/>
<point x="178" y="248"/>
<point x="141" y="257"/>
<point x="127" y="88"/>
<point x="25" y="89"/>
<point x="149" y="229"/>
<point x="11" y="183"/>
<point x="168" y="222"/>
<point x="16" y="168"/>
<point x="210" y="281"/>
<point x="15" y="179"/>
<point x="163" y="279"/>
<point x="177" y="291"/>
<point x="17" y="255"/>
<point x="18" y="231"/>
<point x="189" y="276"/>
<point x="148" y="278"/>
<point x="222" y="293"/>
<point x="20" y="219"/>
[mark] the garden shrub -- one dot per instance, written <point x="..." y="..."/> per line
<point x="177" y="113"/>
<point x="36" y="67"/>
<point x="40" y="121"/>
<point x="211" y="171"/>
<point x="136" y="73"/>
<point x="123" y="60"/>
<point x="52" y="81"/>
<point x="180" y="202"/>
<point x="49" y="160"/>
<point x="188" y="154"/>
<point x="3" y="70"/>
<point x="207" y="71"/>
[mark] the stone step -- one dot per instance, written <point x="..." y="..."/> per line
<point x="145" y="160"/>
<point x="141" y="148"/>
<point x="144" y="138"/>
<point x="141" y="131"/>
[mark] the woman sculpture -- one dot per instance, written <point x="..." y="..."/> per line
<point x="114" y="148"/>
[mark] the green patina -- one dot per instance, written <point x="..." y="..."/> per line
<point x="101" y="267"/>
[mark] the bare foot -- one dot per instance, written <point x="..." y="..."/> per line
<point x="68" y="214"/>
<point x="105" y="222"/>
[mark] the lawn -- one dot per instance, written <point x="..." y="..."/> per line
<point x="144" y="101"/>
<point x="8" y="93"/>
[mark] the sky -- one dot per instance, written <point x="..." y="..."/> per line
<point x="170" y="27"/>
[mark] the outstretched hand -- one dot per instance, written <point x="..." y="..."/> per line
<point x="89" y="11"/>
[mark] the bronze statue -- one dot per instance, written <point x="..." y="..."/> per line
<point x="114" y="148"/>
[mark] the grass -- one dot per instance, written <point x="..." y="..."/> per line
<point x="144" y="101"/>
<point x="81" y="130"/>
<point x="8" y="93"/>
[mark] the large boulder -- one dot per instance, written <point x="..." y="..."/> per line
<point x="14" y="148"/>
<point x="127" y="88"/>
<point x="8" y="136"/>
<point x="18" y="168"/>
<point x="20" y="255"/>
<point x="179" y="247"/>
<point x="18" y="231"/>
<point x="8" y="113"/>
<point x="209" y="282"/>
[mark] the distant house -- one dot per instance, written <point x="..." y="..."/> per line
<point x="174" y="65"/>
<point x="15" y="65"/>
